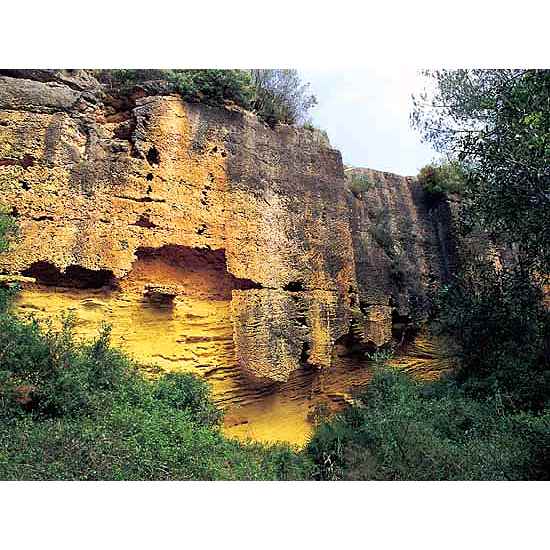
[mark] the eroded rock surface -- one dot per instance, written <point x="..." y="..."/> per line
<point x="208" y="240"/>
<point x="402" y="246"/>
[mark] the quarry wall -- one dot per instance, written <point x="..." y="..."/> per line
<point x="211" y="242"/>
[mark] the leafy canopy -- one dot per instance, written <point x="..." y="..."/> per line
<point x="497" y="122"/>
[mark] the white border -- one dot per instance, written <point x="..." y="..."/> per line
<point x="301" y="34"/>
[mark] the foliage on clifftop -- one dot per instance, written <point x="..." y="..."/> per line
<point x="358" y="183"/>
<point x="275" y="95"/>
<point x="441" y="179"/>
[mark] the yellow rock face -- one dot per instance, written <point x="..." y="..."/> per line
<point x="210" y="242"/>
<point x="195" y="334"/>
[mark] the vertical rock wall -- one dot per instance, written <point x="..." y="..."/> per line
<point x="209" y="241"/>
<point x="403" y="247"/>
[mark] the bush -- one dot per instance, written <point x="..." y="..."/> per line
<point x="401" y="429"/>
<point x="359" y="184"/>
<point x="123" y="81"/>
<point x="184" y="391"/>
<point x="73" y="410"/>
<point x="498" y="318"/>
<point x="213" y="86"/>
<point x="438" y="180"/>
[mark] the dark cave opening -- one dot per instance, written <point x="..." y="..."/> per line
<point x="348" y="345"/>
<point x="294" y="286"/>
<point x="202" y="271"/>
<point x="153" y="156"/>
<point x="74" y="276"/>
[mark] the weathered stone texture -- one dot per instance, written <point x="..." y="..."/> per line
<point x="210" y="241"/>
<point x="402" y="247"/>
<point x="276" y="331"/>
<point x="91" y="188"/>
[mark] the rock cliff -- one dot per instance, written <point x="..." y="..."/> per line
<point x="208" y="240"/>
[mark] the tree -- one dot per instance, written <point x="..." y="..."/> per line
<point x="497" y="122"/>
<point x="281" y="96"/>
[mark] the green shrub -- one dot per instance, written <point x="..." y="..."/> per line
<point x="213" y="86"/>
<point x="81" y="410"/>
<point x="359" y="184"/>
<point x="124" y="80"/>
<point x="498" y="319"/>
<point x="275" y="95"/>
<point x="401" y="429"/>
<point x="184" y="391"/>
<point x="438" y="180"/>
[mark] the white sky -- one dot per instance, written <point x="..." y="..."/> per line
<point x="366" y="115"/>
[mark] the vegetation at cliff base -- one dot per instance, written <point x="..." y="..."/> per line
<point x="487" y="420"/>
<point x="403" y="429"/>
<point x="72" y="409"/>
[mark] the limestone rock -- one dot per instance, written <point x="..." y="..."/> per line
<point x="376" y="328"/>
<point x="162" y="293"/>
<point x="252" y="228"/>
<point x="402" y="248"/>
